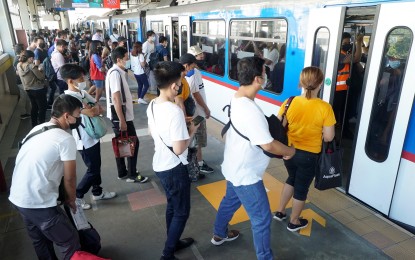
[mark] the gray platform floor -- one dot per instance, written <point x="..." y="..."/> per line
<point x="131" y="233"/>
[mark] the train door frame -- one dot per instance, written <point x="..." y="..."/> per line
<point x="374" y="182"/>
<point x="184" y="20"/>
<point x="168" y="32"/>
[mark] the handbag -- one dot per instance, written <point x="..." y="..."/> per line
<point x="124" y="145"/>
<point x="114" y="116"/>
<point x="190" y="105"/>
<point x="329" y="167"/>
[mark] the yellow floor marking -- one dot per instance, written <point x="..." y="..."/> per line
<point x="214" y="193"/>
<point x="311" y="215"/>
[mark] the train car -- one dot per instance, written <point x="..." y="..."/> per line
<point x="377" y="134"/>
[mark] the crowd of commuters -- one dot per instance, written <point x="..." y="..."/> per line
<point x="170" y="117"/>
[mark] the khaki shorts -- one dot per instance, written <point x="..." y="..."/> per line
<point x="201" y="135"/>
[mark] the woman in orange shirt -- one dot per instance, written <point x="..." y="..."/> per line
<point x="309" y="120"/>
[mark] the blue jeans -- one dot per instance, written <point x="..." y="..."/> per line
<point x="143" y="85"/>
<point x="92" y="177"/>
<point x="176" y="184"/>
<point x="255" y="201"/>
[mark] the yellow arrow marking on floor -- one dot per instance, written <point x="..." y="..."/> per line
<point x="215" y="191"/>
<point x="311" y="215"/>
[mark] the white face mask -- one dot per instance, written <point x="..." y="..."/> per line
<point x="81" y="85"/>
<point x="153" y="38"/>
<point x="265" y="78"/>
<point x="128" y="64"/>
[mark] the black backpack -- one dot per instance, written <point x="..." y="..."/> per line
<point x="155" y="58"/>
<point x="84" y="63"/>
<point x="50" y="73"/>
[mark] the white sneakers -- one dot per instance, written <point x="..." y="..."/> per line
<point x="105" y="195"/>
<point x="142" y="101"/>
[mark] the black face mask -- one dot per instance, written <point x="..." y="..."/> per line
<point x="76" y="124"/>
<point x="99" y="49"/>
<point x="42" y="45"/>
<point x="347" y="47"/>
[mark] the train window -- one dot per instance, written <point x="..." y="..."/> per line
<point x="209" y="35"/>
<point x="261" y="38"/>
<point x="321" y="46"/>
<point x="157" y="27"/>
<point x="183" y="45"/>
<point x="387" y="93"/>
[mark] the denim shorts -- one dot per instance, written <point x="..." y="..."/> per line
<point x="301" y="171"/>
<point x="99" y="83"/>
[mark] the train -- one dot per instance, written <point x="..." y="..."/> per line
<point x="377" y="133"/>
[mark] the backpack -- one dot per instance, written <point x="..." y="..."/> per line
<point x="84" y="63"/>
<point x="50" y="73"/>
<point x="155" y="58"/>
<point x="95" y="127"/>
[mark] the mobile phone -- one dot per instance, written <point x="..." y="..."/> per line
<point x="197" y="120"/>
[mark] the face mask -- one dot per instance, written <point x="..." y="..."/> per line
<point x="347" y="47"/>
<point x="127" y="64"/>
<point x="99" y="49"/>
<point x="153" y="38"/>
<point x="263" y="85"/>
<point x="42" y="45"/>
<point x="76" y="124"/>
<point x="180" y="90"/>
<point x="67" y="40"/>
<point x="81" y="85"/>
<point x="394" y="64"/>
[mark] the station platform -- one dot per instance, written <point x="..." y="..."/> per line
<point x="132" y="225"/>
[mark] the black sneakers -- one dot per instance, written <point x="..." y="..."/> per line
<point x="205" y="168"/>
<point x="183" y="243"/>
<point x="293" y="227"/>
<point x="279" y="216"/>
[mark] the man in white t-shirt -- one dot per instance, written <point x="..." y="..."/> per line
<point x="88" y="147"/>
<point x="244" y="162"/>
<point x="114" y="36"/>
<point x="43" y="160"/>
<point x="120" y="112"/>
<point x="194" y="78"/>
<point x="167" y="126"/>
<point x="149" y="47"/>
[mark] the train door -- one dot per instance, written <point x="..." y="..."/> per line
<point x="388" y="98"/>
<point x="168" y="32"/>
<point x="184" y="33"/>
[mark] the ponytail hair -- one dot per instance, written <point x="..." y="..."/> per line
<point x="310" y="79"/>
<point x="27" y="54"/>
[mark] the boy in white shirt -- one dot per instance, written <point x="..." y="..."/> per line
<point x="244" y="162"/>
<point x="88" y="147"/>
<point x="171" y="139"/>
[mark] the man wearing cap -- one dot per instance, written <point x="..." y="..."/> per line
<point x="197" y="88"/>
<point x="186" y="102"/>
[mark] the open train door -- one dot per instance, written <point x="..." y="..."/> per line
<point x="386" y="108"/>
<point x="168" y="33"/>
<point x="184" y="34"/>
<point x="324" y="34"/>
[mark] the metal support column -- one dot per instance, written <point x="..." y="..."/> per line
<point x="6" y="29"/>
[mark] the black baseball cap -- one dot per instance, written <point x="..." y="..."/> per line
<point x="187" y="59"/>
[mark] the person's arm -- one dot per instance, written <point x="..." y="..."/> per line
<point x="358" y="49"/>
<point x="180" y="146"/>
<point x="97" y="61"/>
<point x="165" y="55"/>
<point x="202" y="103"/>
<point x="37" y="60"/>
<point x="117" y="102"/>
<point x="69" y="182"/>
<point x="39" y="74"/>
<point x="328" y="133"/>
<point x="143" y="62"/>
<point x="276" y="147"/>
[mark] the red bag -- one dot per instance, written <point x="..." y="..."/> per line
<point x="124" y="145"/>
<point x="81" y="255"/>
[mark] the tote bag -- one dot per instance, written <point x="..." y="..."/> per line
<point x="124" y="145"/>
<point x="329" y="167"/>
